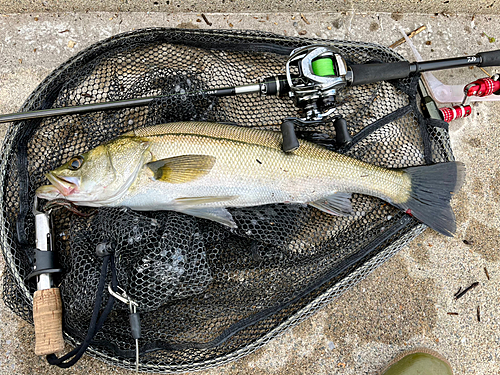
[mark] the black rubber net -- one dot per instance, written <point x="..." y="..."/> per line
<point x="207" y="294"/>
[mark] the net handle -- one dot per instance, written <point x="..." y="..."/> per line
<point x="47" y="317"/>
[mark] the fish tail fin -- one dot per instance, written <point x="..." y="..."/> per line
<point x="431" y="189"/>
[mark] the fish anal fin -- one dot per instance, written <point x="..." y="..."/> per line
<point x="336" y="204"/>
<point x="181" y="169"/>
<point x="217" y="214"/>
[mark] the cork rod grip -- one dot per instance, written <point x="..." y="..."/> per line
<point x="47" y="316"/>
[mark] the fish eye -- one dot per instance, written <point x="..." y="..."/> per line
<point x="75" y="163"/>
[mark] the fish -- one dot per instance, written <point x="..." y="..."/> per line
<point x="203" y="168"/>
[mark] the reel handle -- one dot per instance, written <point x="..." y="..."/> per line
<point x="47" y="317"/>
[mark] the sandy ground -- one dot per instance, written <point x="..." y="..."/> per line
<point x="406" y="302"/>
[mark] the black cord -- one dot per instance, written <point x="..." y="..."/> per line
<point x="95" y="324"/>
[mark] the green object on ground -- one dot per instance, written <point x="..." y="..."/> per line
<point x="420" y="363"/>
<point x="323" y="67"/>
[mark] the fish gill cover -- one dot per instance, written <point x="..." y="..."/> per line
<point x="207" y="294"/>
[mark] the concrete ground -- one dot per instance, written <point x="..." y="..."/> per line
<point x="405" y="303"/>
<point x="238" y="6"/>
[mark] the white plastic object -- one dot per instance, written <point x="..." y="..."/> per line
<point x="440" y="92"/>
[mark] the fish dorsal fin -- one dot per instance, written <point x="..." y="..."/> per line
<point x="335" y="204"/>
<point x="180" y="169"/>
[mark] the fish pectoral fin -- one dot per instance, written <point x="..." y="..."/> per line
<point x="194" y="201"/>
<point x="218" y="214"/>
<point x="180" y="169"/>
<point x="336" y="204"/>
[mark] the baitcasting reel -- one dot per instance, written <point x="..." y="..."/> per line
<point x="319" y="71"/>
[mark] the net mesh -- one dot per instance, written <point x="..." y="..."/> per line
<point x="207" y="294"/>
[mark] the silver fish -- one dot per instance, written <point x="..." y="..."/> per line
<point x="201" y="168"/>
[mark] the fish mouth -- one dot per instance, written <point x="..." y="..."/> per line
<point x="48" y="192"/>
<point x="65" y="185"/>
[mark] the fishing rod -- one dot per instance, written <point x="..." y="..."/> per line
<point x="269" y="86"/>
<point x="314" y="74"/>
